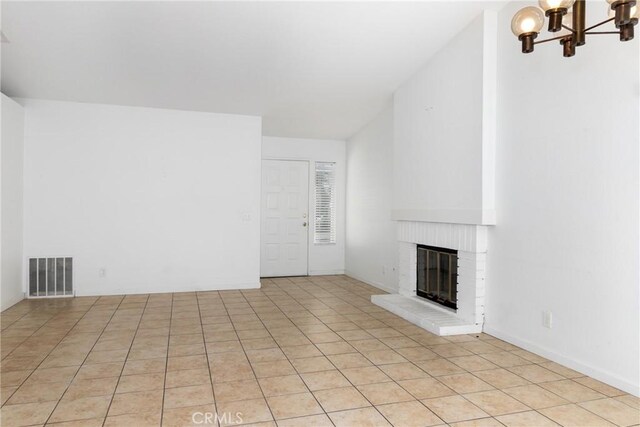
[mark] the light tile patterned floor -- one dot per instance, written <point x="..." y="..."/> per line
<point x="298" y="352"/>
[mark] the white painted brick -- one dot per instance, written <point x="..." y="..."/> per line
<point x="471" y="243"/>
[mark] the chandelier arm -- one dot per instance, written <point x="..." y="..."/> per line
<point x="598" y="24"/>
<point x="568" y="28"/>
<point x="603" y="32"/>
<point x="549" y="40"/>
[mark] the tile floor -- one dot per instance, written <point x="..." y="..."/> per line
<point x="298" y="352"/>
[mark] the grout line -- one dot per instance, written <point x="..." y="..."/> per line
<point x="26" y="337"/>
<point x="264" y="397"/>
<point x="166" y="362"/>
<point x="31" y="336"/>
<point x="206" y="352"/>
<point x="106" y="415"/>
<point x="88" y="353"/>
<point x="52" y="316"/>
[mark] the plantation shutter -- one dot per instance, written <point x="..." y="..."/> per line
<point x="325" y="219"/>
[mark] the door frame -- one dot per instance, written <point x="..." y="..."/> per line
<point x="309" y="162"/>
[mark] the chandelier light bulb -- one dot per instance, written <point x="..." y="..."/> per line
<point x="527" y="20"/>
<point x="554" y="9"/>
<point x="548" y="5"/>
<point x="627" y="30"/>
<point x="634" y="14"/>
<point x="622" y="11"/>
<point x="526" y="24"/>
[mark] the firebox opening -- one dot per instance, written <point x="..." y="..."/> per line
<point x="437" y="278"/>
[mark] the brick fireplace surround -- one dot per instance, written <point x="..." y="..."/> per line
<point x="471" y="243"/>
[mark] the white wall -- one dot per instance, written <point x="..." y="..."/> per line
<point x="567" y="176"/>
<point x="12" y="192"/>
<point x="162" y="200"/>
<point x="372" y="244"/>
<point x="323" y="259"/>
<point x="445" y="130"/>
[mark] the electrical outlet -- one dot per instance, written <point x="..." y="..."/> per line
<point x="547" y="319"/>
<point x="102" y="272"/>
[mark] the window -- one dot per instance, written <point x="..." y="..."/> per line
<point x="325" y="220"/>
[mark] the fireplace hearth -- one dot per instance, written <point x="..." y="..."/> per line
<point x="437" y="275"/>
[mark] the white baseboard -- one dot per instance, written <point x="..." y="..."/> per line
<point x="326" y="272"/>
<point x="613" y="380"/>
<point x="372" y="283"/>
<point x="107" y="292"/>
<point x="10" y="302"/>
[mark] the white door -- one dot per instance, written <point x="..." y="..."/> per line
<point x="285" y="218"/>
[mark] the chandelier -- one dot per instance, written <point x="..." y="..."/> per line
<point x="570" y="26"/>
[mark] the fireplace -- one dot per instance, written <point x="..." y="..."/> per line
<point x="465" y="245"/>
<point x="437" y="275"/>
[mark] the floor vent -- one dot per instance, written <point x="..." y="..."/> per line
<point x="50" y="277"/>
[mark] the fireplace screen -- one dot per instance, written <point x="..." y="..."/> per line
<point x="438" y="275"/>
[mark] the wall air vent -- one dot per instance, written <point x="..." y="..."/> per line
<point x="50" y="277"/>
